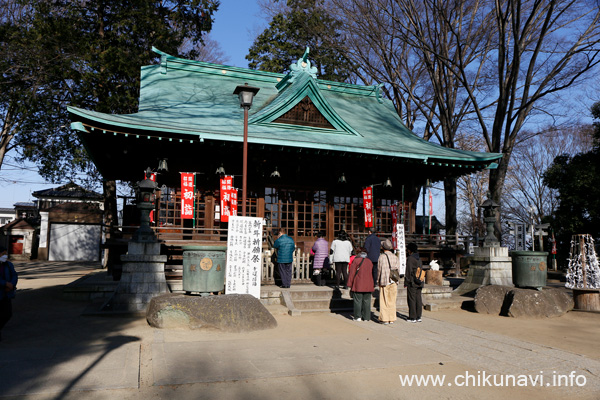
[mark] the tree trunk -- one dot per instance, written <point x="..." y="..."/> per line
<point x="450" y="199"/>
<point x="497" y="178"/>
<point x="5" y="137"/>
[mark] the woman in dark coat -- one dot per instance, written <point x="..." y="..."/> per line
<point x="360" y="282"/>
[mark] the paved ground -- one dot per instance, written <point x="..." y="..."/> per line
<point x="50" y="351"/>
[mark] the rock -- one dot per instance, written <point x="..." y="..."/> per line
<point x="433" y="277"/>
<point x="227" y="313"/>
<point x="490" y="299"/>
<point x="530" y="303"/>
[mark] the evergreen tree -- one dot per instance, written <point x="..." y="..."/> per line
<point x="577" y="179"/>
<point x="305" y="23"/>
<point x="87" y="54"/>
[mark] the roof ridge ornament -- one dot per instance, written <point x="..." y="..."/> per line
<point x="303" y="65"/>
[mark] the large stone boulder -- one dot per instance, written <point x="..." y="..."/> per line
<point x="522" y="303"/>
<point x="490" y="299"/>
<point x="546" y="303"/>
<point x="227" y="313"/>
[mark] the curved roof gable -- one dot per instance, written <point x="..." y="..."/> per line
<point x="293" y="89"/>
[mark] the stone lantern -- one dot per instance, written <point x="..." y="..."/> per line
<point x="145" y="203"/>
<point x="489" y="212"/>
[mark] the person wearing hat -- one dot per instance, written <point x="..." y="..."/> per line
<point x="8" y="286"/>
<point x="388" y="289"/>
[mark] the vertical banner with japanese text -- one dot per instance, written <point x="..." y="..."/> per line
<point x="368" y="206"/>
<point x="187" y="195"/>
<point x="226" y="187"/>
<point x="394" y="211"/>
<point x="233" y="195"/>
<point x="244" y="256"/>
<point x="401" y="247"/>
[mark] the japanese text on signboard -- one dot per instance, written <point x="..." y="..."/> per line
<point x="401" y="246"/>
<point x="187" y="195"/>
<point x="394" y="211"/>
<point x="368" y="206"/>
<point x="244" y="256"/>
<point x="228" y="198"/>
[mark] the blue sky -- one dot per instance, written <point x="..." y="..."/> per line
<point x="235" y="26"/>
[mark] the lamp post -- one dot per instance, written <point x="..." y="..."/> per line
<point x="246" y="94"/>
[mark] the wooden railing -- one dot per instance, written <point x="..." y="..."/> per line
<point x="182" y="235"/>
<point x="300" y="267"/>
<point x="457" y="242"/>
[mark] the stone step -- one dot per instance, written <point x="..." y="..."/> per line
<point x="324" y="305"/>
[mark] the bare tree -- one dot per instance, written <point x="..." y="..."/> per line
<point x="525" y="194"/>
<point x="472" y="190"/>
<point x="542" y="47"/>
<point x="405" y="44"/>
<point x="209" y="51"/>
<point x="526" y="53"/>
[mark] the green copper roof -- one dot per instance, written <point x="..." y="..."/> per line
<point x="195" y="99"/>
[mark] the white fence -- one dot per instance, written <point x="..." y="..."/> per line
<point x="300" y="267"/>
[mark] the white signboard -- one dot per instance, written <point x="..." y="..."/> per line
<point x="401" y="247"/>
<point x="244" y="256"/>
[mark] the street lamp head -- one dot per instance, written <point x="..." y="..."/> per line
<point x="342" y="179"/>
<point x="246" y="94"/>
<point x="387" y="183"/>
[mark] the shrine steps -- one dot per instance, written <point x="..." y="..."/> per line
<point x="307" y="298"/>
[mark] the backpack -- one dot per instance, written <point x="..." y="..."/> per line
<point x="419" y="278"/>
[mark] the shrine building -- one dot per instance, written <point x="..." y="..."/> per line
<point x="314" y="146"/>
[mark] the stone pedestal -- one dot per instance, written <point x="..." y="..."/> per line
<point x="143" y="278"/>
<point x="490" y="265"/>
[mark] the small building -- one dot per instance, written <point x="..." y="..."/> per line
<point x="18" y="237"/>
<point x="26" y="210"/>
<point x="70" y="223"/>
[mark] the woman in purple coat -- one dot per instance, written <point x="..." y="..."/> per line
<point x="320" y="250"/>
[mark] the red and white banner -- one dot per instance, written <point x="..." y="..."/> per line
<point x="187" y="195"/>
<point x="368" y="206"/>
<point x="394" y="210"/>
<point x="228" y="198"/>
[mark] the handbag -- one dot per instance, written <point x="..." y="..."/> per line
<point x="419" y="277"/>
<point x="394" y="273"/>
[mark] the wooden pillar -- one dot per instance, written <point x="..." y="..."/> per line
<point x="296" y="219"/>
<point x="330" y="222"/>
<point x="260" y="207"/>
<point x="209" y="217"/>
